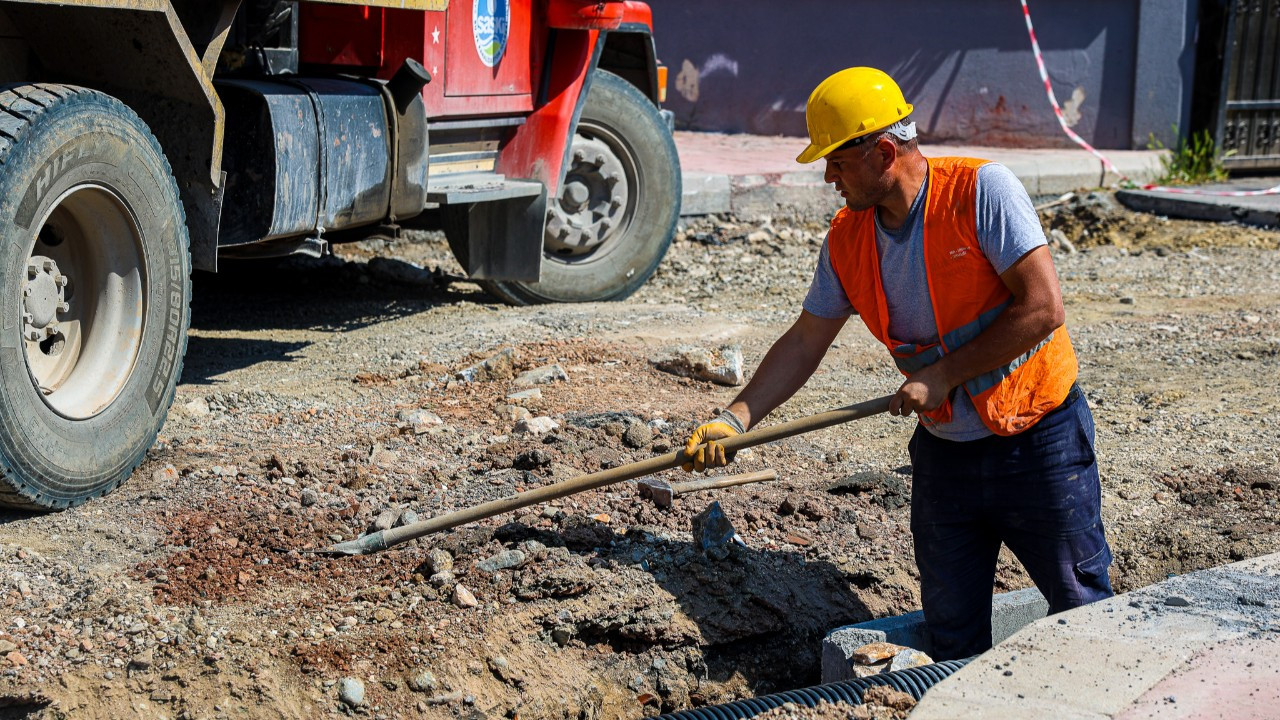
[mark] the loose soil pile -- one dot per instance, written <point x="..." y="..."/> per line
<point x="319" y="395"/>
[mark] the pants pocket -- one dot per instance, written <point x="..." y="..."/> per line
<point x="1091" y="573"/>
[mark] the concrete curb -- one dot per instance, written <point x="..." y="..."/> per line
<point x="1205" y="644"/>
<point x="1263" y="211"/>
<point x="1010" y="612"/>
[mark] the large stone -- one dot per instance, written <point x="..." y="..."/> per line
<point x="536" y="426"/>
<point x="463" y="598"/>
<point x="497" y="367"/>
<point x="351" y="692"/>
<point x="722" y="365"/>
<point x="544" y="375"/>
<point x="505" y="560"/>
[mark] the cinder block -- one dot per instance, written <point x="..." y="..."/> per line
<point x="704" y="193"/>
<point x="1010" y="612"/>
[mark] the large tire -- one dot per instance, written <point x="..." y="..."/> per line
<point x="96" y="271"/>
<point x="595" y="248"/>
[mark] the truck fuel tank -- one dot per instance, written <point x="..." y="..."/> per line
<point x="308" y="155"/>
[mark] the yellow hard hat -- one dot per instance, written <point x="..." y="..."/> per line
<point x="851" y="103"/>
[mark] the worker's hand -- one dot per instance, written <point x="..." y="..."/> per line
<point x="712" y="455"/>
<point x="926" y="390"/>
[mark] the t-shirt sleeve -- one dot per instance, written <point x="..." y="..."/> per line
<point x="1008" y="226"/>
<point x="827" y="298"/>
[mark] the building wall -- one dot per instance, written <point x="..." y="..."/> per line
<point x="967" y="66"/>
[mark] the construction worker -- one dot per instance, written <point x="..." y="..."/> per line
<point x="945" y="261"/>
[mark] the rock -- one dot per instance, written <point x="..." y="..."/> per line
<point x="908" y="658"/>
<point x="497" y="367"/>
<point x="638" y="435"/>
<point x="385" y="520"/>
<point x="423" y="682"/>
<point x="1127" y="300"/>
<point x="439" y="561"/>
<point x="143" y="660"/>
<point x="875" y="652"/>
<point x="544" y="375"/>
<point x="536" y="426"/>
<point x="514" y="413"/>
<point x="197" y="408"/>
<point x="308" y="497"/>
<point x="408" y="517"/>
<point x="16" y="658"/>
<point x="463" y="598"/>
<point x="441" y="580"/>
<point x="7" y="647"/>
<point x="524" y="396"/>
<point x="790" y="504"/>
<point x="562" y="634"/>
<point x="861" y="671"/>
<point x="1177" y="601"/>
<point x="351" y="692"/>
<point x="722" y="365"/>
<point x="712" y="532"/>
<point x="532" y="459"/>
<point x="384" y="615"/>
<point x="504" y="560"/>
<point x="420" y="421"/>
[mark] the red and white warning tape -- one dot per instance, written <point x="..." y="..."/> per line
<point x="1062" y="121"/>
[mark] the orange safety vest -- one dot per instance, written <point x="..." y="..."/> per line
<point x="967" y="296"/>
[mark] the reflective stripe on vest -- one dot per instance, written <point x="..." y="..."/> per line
<point x="1010" y="398"/>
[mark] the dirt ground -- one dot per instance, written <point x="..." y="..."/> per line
<point x="317" y="395"/>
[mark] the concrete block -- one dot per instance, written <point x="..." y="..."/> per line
<point x="1010" y="612"/>
<point x="704" y="193"/>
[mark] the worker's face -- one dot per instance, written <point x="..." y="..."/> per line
<point x="859" y="174"/>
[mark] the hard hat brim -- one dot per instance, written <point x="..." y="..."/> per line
<point x="817" y="152"/>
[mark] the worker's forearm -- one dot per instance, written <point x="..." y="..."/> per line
<point x="1018" y="329"/>
<point x="784" y="370"/>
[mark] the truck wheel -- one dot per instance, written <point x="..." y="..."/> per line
<point x="96" y="271"/>
<point x="618" y="205"/>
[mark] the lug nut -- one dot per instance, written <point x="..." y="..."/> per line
<point x="612" y="178"/>
<point x="26" y="291"/>
<point x="578" y="156"/>
<point x="33" y="335"/>
<point x="64" y="307"/>
<point x="50" y="266"/>
<point x="61" y="280"/>
<point x="599" y="159"/>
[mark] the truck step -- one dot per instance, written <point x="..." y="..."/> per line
<point x="478" y="187"/>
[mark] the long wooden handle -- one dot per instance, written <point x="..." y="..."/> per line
<point x="383" y="539"/>
<point x="715" y="483"/>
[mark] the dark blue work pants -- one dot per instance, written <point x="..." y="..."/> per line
<point x="1037" y="492"/>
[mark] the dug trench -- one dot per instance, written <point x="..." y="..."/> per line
<point x="321" y="397"/>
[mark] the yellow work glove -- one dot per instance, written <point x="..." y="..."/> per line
<point x="712" y="455"/>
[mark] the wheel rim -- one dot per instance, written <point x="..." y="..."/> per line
<point x="83" y="302"/>
<point x="597" y="198"/>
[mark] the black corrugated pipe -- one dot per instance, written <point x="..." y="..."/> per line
<point x="913" y="681"/>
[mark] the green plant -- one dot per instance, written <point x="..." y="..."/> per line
<point x="1194" y="160"/>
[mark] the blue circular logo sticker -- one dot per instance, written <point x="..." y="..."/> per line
<point x="490" y="23"/>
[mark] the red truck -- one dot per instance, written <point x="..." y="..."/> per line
<point x="142" y="138"/>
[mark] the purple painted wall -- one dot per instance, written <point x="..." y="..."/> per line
<point x="749" y="65"/>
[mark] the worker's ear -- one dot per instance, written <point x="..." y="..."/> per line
<point x="889" y="151"/>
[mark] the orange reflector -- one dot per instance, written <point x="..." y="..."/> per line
<point x="662" y="83"/>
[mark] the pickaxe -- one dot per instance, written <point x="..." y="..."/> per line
<point x="662" y="493"/>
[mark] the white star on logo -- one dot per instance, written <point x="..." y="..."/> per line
<point x="435" y="36"/>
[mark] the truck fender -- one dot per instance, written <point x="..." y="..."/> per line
<point x="539" y="149"/>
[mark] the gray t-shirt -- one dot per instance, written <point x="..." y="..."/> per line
<point x="1008" y="228"/>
